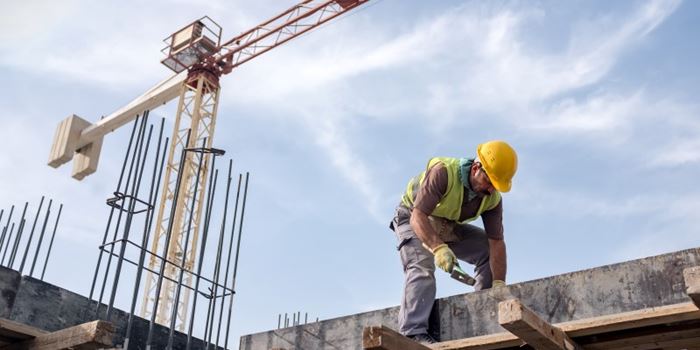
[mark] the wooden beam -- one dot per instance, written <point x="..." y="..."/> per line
<point x="589" y="326"/>
<point x="86" y="336"/>
<point x="484" y="342"/>
<point x="528" y="326"/>
<point x="12" y="332"/>
<point x="384" y="338"/>
<point x="691" y="276"/>
<point x="631" y="319"/>
<point x="679" y="339"/>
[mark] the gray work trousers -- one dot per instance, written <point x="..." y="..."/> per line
<point x="471" y="246"/>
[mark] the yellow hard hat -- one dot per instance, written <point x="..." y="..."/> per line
<point x="500" y="163"/>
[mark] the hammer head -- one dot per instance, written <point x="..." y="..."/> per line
<point x="460" y="275"/>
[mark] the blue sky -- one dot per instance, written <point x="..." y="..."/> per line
<point x="598" y="99"/>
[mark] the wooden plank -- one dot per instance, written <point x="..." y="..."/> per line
<point x="19" y="330"/>
<point x="589" y="326"/>
<point x="484" y="342"/>
<point x="384" y="338"/>
<point x="662" y="340"/>
<point x="631" y="319"/>
<point x="691" y="276"/>
<point x="528" y="326"/>
<point x="86" y="336"/>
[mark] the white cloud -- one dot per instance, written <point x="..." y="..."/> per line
<point x="328" y="134"/>
<point x="678" y="152"/>
<point x="672" y="227"/>
<point x="31" y="20"/>
<point x="604" y="112"/>
<point x="460" y="62"/>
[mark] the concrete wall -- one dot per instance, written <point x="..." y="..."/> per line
<point x="628" y="286"/>
<point x="45" y="306"/>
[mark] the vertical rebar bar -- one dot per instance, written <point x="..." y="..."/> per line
<point x="41" y="237"/>
<point x="2" y="212"/>
<point x="48" y="253"/>
<point x="279" y="320"/>
<point x="138" y="175"/>
<point x="12" y="229"/>
<point x="19" y="237"/>
<point x="31" y="235"/>
<point x="200" y="262"/>
<point x="9" y="238"/>
<point x="168" y="234"/>
<point x="147" y="226"/>
<point x="178" y="288"/>
<point x="212" y="301"/>
<point x="235" y="264"/>
<point x="137" y="150"/>
<point x="111" y="212"/>
<point x="4" y="229"/>
<point x="230" y="249"/>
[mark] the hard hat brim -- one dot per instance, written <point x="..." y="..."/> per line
<point x="502" y="187"/>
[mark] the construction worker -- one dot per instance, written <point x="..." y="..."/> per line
<point x="431" y="225"/>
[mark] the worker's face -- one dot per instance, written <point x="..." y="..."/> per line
<point x="480" y="181"/>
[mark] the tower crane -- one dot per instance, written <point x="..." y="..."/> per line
<point x="198" y="59"/>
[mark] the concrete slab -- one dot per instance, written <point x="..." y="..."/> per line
<point x="48" y="307"/>
<point x="9" y="283"/>
<point x="610" y="289"/>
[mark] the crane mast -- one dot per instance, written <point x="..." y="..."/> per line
<point x="198" y="59"/>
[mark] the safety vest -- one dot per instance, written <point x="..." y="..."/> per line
<point x="450" y="206"/>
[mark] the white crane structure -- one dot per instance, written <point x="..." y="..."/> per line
<point x="198" y="58"/>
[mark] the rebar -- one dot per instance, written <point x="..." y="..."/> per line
<point x="230" y="249"/>
<point x="174" y="273"/>
<point x="31" y="235"/>
<point x="4" y="229"/>
<point x="41" y="237"/>
<point x="178" y="288"/>
<point x="147" y="227"/>
<point x="12" y="229"/>
<point x="205" y="234"/>
<point x="211" y="310"/>
<point x="48" y="253"/>
<point x="111" y="212"/>
<point x="235" y="264"/>
<point x="129" y="218"/>
<point x="19" y="237"/>
<point x="137" y="148"/>
<point x="168" y="234"/>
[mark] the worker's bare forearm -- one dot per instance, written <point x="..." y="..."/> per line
<point x="425" y="232"/>
<point x="498" y="260"/>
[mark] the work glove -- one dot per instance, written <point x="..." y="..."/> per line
<point x="445" y="258"/>
<point x="499" y="291"/>
<point x="498" y="284"/>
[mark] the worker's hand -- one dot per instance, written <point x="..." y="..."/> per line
<point x="499" y="291"/>
<point x="445" y="259"/>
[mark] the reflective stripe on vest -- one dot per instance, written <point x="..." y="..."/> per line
<point x="450" y="205"/>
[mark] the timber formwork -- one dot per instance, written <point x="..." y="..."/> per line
<point x="671" y="327"/>
<point x="643" y="304"/>
<point x="91" y="335"/>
